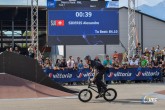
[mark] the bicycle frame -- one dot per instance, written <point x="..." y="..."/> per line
<point x="92" y="87"/>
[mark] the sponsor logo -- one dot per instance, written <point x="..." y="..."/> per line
<point x="61" y="76"/>
<point x="51" y="75"/>
<point x="139" y="74"/>
<point x="81" y="75"/>
<point x="147" y="73"/>
<point x="119" y="74"/>
<point x="149" y="99"/>
<point x="111" y="74"/>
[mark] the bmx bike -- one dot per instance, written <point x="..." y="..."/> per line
<point x="85" y="95"/>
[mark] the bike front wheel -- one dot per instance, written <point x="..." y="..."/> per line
<point x="85" y="95"/>
<point x="110" y="94"/>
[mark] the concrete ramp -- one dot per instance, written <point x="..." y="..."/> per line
<point x="161" y="92"/>
<point x="15" y="87"/>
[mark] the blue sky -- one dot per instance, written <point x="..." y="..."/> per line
<point x="43" y="2"/>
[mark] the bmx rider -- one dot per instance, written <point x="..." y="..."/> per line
<point x="99" y="71"/>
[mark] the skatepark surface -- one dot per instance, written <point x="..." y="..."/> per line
<point x="129" y="98"/>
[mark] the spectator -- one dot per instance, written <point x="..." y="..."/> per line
<point x="70" y="65"/>
<point x="137" y="58"/>
<point x="58" y="62"/>
<point x="130" y="59"/>
<point x="63" y="64"/>
<point x="70" y="62"/>
<point x="77" y="62"/>
<point x="116" y="63"/>
<point x="31" y="51"/>
<point x="86" y="66"/>
<point x="156" y="63"/>
<point x="163" y="71"/>
<point x="80" y="65"/>
<point x="115" y="55"/>
<point x="11" y="49"/>
<point x="57" y="65"/>
<point x="47" y="64"/>
<point x="163" y="54"/>
<point x="107" y="62"/>
<point x="97" y="59"/>
<point x="151" y="64"/>
<point x="147" y="53"/>
<point x="152" y="54"/>
<point x="138" y="50"/>
<point x="75" y="67"/>
<point x="143" y="62"/>
<point x="160" y="62"/>
<point x="125" y="63"/>
<point x="16" y="50"/>
<point x="133" y="62"/>
<point x="163" y="62"/>
<point x="158" y="53"/>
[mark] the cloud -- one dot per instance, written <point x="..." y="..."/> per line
<point x="140" y="2"/>
<point x="149" y="2"/>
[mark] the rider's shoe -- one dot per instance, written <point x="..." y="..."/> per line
<point x="98" y="96"/>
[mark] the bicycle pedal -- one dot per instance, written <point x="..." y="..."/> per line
<point x="99" y="96"/>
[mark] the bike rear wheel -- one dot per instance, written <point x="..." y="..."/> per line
<point x="85" y="95"/>
<point x="110" y="94"/>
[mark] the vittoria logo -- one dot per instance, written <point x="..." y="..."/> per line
<point x="81" y="75"/>
<point x="111" y="74"/>
<point x="147" y="73"/>
<point x="60" y="76"/>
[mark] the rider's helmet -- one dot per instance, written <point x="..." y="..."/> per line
<point x="87" y="57"/>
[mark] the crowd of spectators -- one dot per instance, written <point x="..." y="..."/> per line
<point x="15" y="50"/>
<point x="63" y="63"/>
<point x="149" y="58"/>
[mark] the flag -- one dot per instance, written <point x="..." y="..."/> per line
<point x="60" y="23"/>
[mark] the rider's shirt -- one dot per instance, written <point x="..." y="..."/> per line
<point x="96" y="65"/>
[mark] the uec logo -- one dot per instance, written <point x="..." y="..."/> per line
<point x="149" y="99"/>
